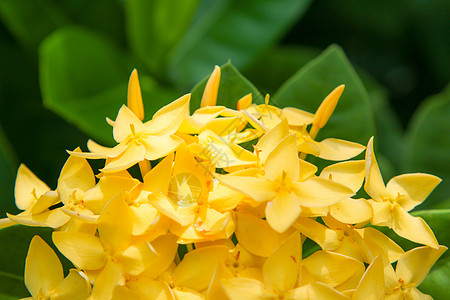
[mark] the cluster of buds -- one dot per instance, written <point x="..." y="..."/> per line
<point x="242" y="215"/>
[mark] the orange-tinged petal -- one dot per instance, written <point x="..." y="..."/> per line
<point x="283" y="160"/>
<point x="83" y="250"/>
<point x="315" y="290"/>
<point x="281" y="268"/>
<point x="271" y="139"/>
<point x="109" y="277"/>
<point x="331" y="268"/>
<point x="336" y="149"/>
<point x="282" y="211"/>
<point x="318" y="192"/>
<point x="257" y="188"/>
<point x="297" y="117"/>
<point x="374" y="184"/>
<point x="126" y="124"/>
<point x="352" y="211"/>
<point x="133" y="154"/>
<point x="244" y="102"/>
<point x="75" y="286"/>
<point x="115" y="224"/>
<point x="198" y="266"/>
<point x="371" y="286"/>
<point x="245" y="288"/>
<point x="167" y="119"/>
<point x="134" y="97"/>
<point x="412" y="188"/>
<point x="349" y="173"/>
<point x="209" y="97"/>
<point x="326" y="238"/>
<point x="160" y="146"/>
<point x="256" y="235"/>
<point x="157" y="180"/>
<point x="28" y="187"/>
<point x="43" y="270"/>
<point x="415" y="264"/>
<point x="412" y="228"/>
<point x="327" y="107"/>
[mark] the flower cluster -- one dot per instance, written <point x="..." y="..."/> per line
<point x="242" y="214"/>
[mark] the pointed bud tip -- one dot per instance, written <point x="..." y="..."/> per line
<point x="209" y="97"/>
<point x="327" y="107"/>
<point x="134" y="97"/>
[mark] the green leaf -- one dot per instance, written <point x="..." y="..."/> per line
<point x="8" y="167"/>
<point x="277" y="65"/>
<point x="428" y="144"/>
<point x="233" y="86"/>
<point x="436" y="283"/>
<point x="83" y="79"/>
<point x="154" y="27"/>
<point x="353" y="118"/>
<point x="31" y="21"/>
<point x="14" y="248"/>
<point x="231" y="29"/>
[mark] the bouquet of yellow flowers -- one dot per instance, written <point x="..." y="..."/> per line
<point x="221" y="203"/>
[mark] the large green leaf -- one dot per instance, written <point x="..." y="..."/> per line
<point x="436" y="283"/>
<point x="8" y="166"/>
<point x="353" y="118"/>
<point x="231" y="29"/>
<point x="153" y="28"/>
<point x="83" y="79"/>
<point x="14" y="248"/>
<point x="31" y="21"/>
<point x="428" y="144"/>
<point x="233" y="86"/>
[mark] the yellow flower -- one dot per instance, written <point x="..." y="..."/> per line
<point x="392" y="202"/>
<point x="44" y="275"/>
<point x="282" y="191"/>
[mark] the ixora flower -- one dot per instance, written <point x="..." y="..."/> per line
<point x="210" y="217"/>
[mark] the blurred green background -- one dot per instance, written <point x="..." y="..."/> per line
<point x="65" y="66"/>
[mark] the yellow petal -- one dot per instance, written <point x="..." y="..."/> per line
<point x="54" y="218"/>
<point x="382" y="213"/>
<point x="142" y="288"/>
<point x="183" y="293"/>
<point x="133" y="154"/>
<point x="374" y="184"/>
<point x="76" y="174"/>
<point x="160" y="146"/>
<point x="134" y="99"/>
<point x="412" y="189"/>
<point x="389" y="247"/>
<point x="371" y="286"/>
<point x="75" y="286"/>
<point x="126" y="124"/>
<point x="167" y="119"/>
<point x="43" y="270"/>
<point x="282" y="211"/>
<point x="256" y="235"/>
<point x="224" y="199"/>
<point x="352" y="211"/>
<point x="315" y="290"/>
<point x="297" y="117"/>
<point x="28" y="187"/>
<point x="137" y="257"/>
<point x="318" y="192"/>
<point x="331" y="268"/>
<point x="181" y="214"/>
<point x="336" y="149"/>
<point x="144" y="216"/>
<point x="115" y="224"/>
<point x="412" y="228"/>
<point x="166" y="248"/>
<point x="256" y="188"/>
<point x="414" y="293"/>
<point x="244" y="102"/>
<point x="349" y="173"/>
<point x="244" y="288"/>
<point x="209" y="97"/>
<point x="326" y="238"/>
<point x="271" y="139"/>
<point x="307" y="170"/>
<point x="415" y="264"/>
<point x="45" y="201"/>
<point x="198" y="266"/>
<point x="83" y="250"/>
<point x="157" y="180"/>
<point x="110" y="277"/>
<point x="215" y="290"/>
<point x="281" y="268"/>
<point x="283" y="160"/>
